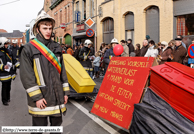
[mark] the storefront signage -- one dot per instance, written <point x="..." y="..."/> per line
<point x="77" y="16"/>
<point x="122" y="87"/>
<point x="80" y="28"/>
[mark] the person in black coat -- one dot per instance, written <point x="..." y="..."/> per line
<point x="144" y="48"/>
<point x="6" y="70"/>
<point x="76" y="52"/>
<point x="85" y="57"/>
<point x="130" y="45"/>
<point x="109" y="53"/>
<point x="15" y="52"/>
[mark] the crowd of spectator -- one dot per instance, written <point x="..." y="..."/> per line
<point x="172" y="51"/>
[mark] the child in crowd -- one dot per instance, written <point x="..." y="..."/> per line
<point x="96" y="64"/>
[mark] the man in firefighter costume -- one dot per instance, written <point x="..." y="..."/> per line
<point x="15" y="53"/>
<point x="6" y="70"/>
<point x="43" y="74"/>
<point x="85" y="55"/>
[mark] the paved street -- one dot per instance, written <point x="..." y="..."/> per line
<point x="78" y="120"/>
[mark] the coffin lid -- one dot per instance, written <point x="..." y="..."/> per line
<point x="184" y="79"/>
<point x="181" y="68"/>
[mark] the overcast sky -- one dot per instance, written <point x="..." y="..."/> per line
<point x="15" y="16"/>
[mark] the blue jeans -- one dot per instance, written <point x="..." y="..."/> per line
<point x="90" y="73"/>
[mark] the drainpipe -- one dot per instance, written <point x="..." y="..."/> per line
<point x="96" y="30"/>
<point x="73" y="19"/>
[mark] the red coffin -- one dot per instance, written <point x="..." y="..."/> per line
<point x="174" y="83"/>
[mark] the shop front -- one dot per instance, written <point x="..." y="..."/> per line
<point x="79" y="34"/>
<point x="183" y="18"/>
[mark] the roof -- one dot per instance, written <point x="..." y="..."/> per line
<point x="15" y="34"/>
<point x="3" y="31"/>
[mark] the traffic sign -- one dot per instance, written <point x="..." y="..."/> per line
<point x="90" y="32"/>
<point x="191" y="51"/>
<point x="63" y="25"/>
<point x="89" y="22"/>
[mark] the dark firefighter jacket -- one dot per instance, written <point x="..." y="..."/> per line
<point x="6" y="56"/>
<point x="15" y="53"/>
<point x="41" y="79"/>
<point x="107" y="57"/>
<point x="85" y="61"/>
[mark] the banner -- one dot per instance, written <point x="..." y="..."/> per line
<point x="122" y="87"/>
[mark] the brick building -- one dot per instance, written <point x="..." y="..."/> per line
<point x="15" y="35"/>
<point x="3" y="31"/>
<point x="84" y="9"/>
<point x="61" y="11"/>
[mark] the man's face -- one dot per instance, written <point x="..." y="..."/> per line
<point x="177" y="43"/>
<point x="14" y="44"/>
<point x="46" y="31"/>
<point x="193" y="42"/>
<point x="114" y="44"/>
<point x="122" y="43"/>
<point x="6" y="45"/>
<point x="128" y="41"/>
<point x="163" y="46"/>
<point x="150" y="44"/>
<point x="145" y="43"/>
<point x="179" y="37"/>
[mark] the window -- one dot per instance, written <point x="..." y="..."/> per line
<point x="65" y="16"/>
<point x="68" y="14"/>
<point x="108" y="30"/>
<point x="60" y="16"/>
<point x="56" y="19"/>
<point x="21" y="40"/>
<point x="185" y="25"/>
<point x="153" y="23"/>
<point x="129" y="26"/>
<point x="84" y="9"/>
<point x="61" y="38"/>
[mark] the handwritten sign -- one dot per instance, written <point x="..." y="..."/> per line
<point x="121" y="88"/>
